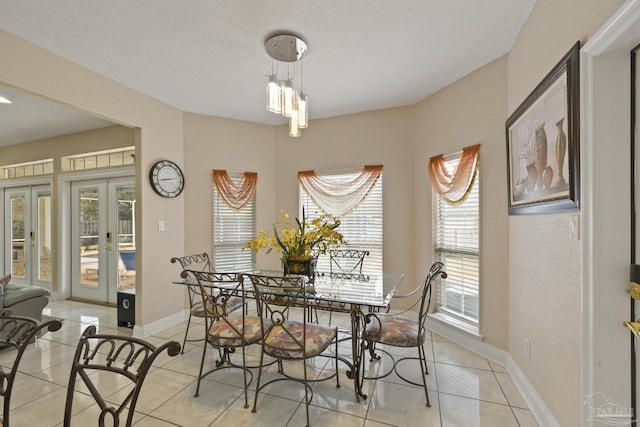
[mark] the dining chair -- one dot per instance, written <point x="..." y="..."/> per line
<point x="195" y="262"/>
<point x="347" y="263"/>
<point x="17" y="333"/>
<point x="286" y="339"/>
<point x="127" y="358"/>
<point x="226" y="328"/>
<point x="396" y="330"/>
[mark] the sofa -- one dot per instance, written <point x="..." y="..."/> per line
<point x="23" y="300"/>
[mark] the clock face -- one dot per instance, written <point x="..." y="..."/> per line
<point x="166" y="178"/>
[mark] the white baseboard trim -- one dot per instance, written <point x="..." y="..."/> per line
<point x="142" y="331"/>
<point x="536" y="405"/>
<point x="467" y="340"/>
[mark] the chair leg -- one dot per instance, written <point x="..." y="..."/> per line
<point x="424" y="370"/>
<point x="204" y="351"/>
<point x="337" y="358"/>
<point x="306" y="392"/>
<point x="244" y="373"/>
<point x="186" y="333"/>
<point x="255" y="397"/>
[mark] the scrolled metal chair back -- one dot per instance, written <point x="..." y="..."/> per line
<point x="436" y="270"/>
<point x="17" y="332"/>
<point x="124" y="356"/>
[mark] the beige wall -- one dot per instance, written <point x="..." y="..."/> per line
<point x="55" y="148"/>
<point x="236" y="146"/>
<point x="30" y="68"/>
<point x="544" y="265"/>
<point x="468" y="112"/>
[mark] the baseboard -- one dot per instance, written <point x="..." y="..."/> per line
<point x="536" y="405"/>
<point x="143" y="331"/>
<point x="469" y="341"/>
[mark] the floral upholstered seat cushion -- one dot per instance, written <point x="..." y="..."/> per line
<point x="232" y="303"/>
<point x="285" y="340"/>
<point x="226" y="332"/>
<point x="398" y="331"/>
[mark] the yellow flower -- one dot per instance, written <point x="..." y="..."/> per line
<point x="304" y="240"/>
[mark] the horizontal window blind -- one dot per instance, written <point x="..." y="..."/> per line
<point x="362" y="227"/>
<point x="457" y="245"/>
<point x="232" y="229"/>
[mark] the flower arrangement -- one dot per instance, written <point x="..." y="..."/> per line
<point x="301" y="241"/>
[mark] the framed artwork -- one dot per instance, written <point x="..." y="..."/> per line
<point x="543" y="143"/>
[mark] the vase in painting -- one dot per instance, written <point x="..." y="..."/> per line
<point x="541" y="154"/>
<point x="560" y="149"/>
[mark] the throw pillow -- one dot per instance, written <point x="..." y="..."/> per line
<point x="4" y="281"/>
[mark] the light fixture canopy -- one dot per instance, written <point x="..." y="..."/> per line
<point x="282" y="98"/>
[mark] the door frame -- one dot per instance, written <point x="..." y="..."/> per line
<point x="63" y="228"/>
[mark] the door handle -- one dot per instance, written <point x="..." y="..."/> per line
<point x="109" y="248"/>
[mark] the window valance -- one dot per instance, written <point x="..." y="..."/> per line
<point x="235" y="195"/>
<point x="339" y="198"/>
<point x="454" y="187"/>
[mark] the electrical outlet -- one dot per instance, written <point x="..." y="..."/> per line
<point x="527" y="347"/>
<point x="574" y="227"/>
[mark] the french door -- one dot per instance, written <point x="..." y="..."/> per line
<point x="102" y="238"/>
<point x="27" y="246"/>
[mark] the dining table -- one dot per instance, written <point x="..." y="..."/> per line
<point x="355" y="294"/>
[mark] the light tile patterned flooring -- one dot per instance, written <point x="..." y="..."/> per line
<point x="465" y="389"/>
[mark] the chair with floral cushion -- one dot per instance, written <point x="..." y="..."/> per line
<point x="126" y="358"/>
<point x="286" y="339"/>
<point x="226" y="329"/>
<point x="199" y="262"/>
<point x="17" y="333"/>
<point x="397" y="330"/>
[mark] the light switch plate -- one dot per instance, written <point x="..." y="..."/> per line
<point x="161" y="225"/>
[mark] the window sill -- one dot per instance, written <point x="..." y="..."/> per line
<point x="457" y="324"/>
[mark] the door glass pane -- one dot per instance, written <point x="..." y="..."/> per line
<point x="88" y="237"/>
<point x="44" y="237"/>
<point x="126" y="237"/>
<point x="17" y="236"/>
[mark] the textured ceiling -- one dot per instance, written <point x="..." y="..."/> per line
<point x="208" y="56"/>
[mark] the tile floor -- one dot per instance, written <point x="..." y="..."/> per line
<point x="465" y="389"/>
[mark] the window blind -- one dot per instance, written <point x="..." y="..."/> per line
<point x="362" y="227"/>
<point x="457" y="245"/>
<point x="232" y="229"/>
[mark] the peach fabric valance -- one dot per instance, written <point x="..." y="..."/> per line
<point x="454" y="187"/>
<point x="340" y="198"/>
<point x="235" y="195"/>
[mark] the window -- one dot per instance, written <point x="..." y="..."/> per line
<point x="232" y="229"/>
<point x="40" y="167"/>
<point x="361" y="227"/>
<point x="99" y="159"/>
<point x="457" y="245"/>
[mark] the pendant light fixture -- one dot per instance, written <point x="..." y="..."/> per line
<point x="282" y="98"/>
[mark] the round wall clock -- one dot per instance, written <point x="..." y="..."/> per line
<point x="166" y="178"/>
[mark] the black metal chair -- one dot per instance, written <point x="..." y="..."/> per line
<point x="17" y="333"/>
<point x="397" y="330"/>
<point x="226" y="328"/>
<point x="197" y="262"/>
<point x="127" y="357"/>
<point x="347" y="263"/>
<point x="286" y="339"/>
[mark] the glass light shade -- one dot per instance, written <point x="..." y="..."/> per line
<point x="274" y="98"/>
<point x="289" y="101"/>
<point x="303" y="115"/>
<point x="294" y="130"/>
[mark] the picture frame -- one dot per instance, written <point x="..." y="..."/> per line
<point x="543" y="143"/>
